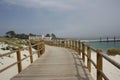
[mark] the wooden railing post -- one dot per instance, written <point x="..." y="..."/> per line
<point x="44" y="47"/>
<point x="30" y="52"/>
<point x="38" y="50"/>
<point x="89" y="57"/>
<point x="51" y="43"/>
<point x="59" y="43"/>
<point x="63" y="43"/>
<point x="79" y="48"/>
<point x="76" y="45"/>
<point x="83" y="51"/>
<point x="73" y="44"/>
<point x="19" y="60"/>
<point x="41" y="46"/>
<point x="69" y="44"/>
<point x="66" y="43"/>
<point x="55" y="43"/>
<point x="99" y="64"/>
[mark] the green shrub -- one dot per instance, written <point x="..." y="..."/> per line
<point x="113" y="52"/>
<point x="8" y="48"/>
<point x="35" y="47"/>
<point x="13" y="48"/>
<point x="3" y="48"/>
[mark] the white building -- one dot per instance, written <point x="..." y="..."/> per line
<point x="47" y="38"/>
<point x="40" y="37"/>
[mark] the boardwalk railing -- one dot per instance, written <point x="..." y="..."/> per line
<point x="40" y="50"/>
<point x="84" y="50"/>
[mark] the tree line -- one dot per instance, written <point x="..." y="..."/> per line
<point x="13" y="34"/>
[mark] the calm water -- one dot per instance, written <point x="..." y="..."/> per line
<point x="105" y="45"/>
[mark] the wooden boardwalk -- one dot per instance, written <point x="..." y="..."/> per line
<point x="56" y="64"/>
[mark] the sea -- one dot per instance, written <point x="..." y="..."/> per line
<point x="104" y="45"/>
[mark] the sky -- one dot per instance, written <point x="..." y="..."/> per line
<point x="64" y="18"/>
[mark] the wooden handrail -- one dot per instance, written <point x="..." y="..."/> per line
<point x="19" y="59"/>
<point x="80" y="48"/>
<point x="6" y="54"/>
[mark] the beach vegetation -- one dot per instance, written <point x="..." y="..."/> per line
<point x="13" y="34"/>
<point x="10" y="34"/>
<point x="13" y="43"/>
<point x="113" y="51"/>
<point x="53" y="36"/>
<point x="47" y="35"/>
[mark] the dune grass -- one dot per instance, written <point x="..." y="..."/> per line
<point x="13" y="42"/>
<point x="113" y="51"/>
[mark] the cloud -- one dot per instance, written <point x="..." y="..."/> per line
<point x="63" y="5"/>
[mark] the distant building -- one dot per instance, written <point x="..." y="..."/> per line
<point x="40" y="37"/>
<point x="36" y="37"/>
<point x="47" y="38"/>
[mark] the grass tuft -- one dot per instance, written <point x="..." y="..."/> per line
<point x="113" y="51"/>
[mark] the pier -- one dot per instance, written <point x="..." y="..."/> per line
<point x="109" y="39"/>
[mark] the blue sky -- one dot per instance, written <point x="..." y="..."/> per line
<point x="65" y="18"/>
